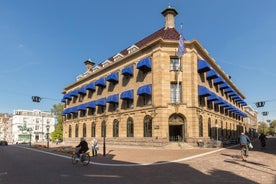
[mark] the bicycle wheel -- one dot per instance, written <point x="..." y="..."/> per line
<point x="74" y="159"/>
<point x="85" y="159"/>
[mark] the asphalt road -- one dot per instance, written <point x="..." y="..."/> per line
<point x="22" y="165"/>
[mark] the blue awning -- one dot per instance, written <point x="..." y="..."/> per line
<point x="74" y="93"/>
<point x="82" y="90"/>
<point x="219" y="101"/>
<point x="112" y="99"/>
<point x="81" y="107"/>
<point x="67" y="96"/>
<point x="212" y="74"/>
<point x="213" y="97"/>
<point x="100" y="82"/>
<point x="66" y="111"/>
<point x="218" y="80"/>
<point x="144" y="90"/>
<point x="203" y="91"/>
<point x="232" y="94"/>
<point x="223" y="86"/>
<point x="144" y="64"/>
<point x="228" y="90"/>
<point x="127" y="94"/>
<point x="128" y="71"/>
<point x="91" y="86"/>
<point x="101" y="102"/>
<point x="91" y="105"/>
<point x="113" y="77"/>
<point x="72" y="110"/>
<point x="203" y="66"/>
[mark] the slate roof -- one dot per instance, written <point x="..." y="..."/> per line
<point x="165" y="34"/>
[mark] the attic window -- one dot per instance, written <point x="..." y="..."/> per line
<point x="117" y="57"/>
<point x="132" y="49"/>
<point x="105" y="63"/>
<point x="96" y="68"/>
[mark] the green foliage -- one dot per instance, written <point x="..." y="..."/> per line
<point x="58" y="133"/>
<point x="263" y="128"/>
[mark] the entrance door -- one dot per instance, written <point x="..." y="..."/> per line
<point x="176" y="128"/>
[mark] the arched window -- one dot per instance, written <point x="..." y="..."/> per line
<point x="77" y="130"/>
<point x="93" y="129"/>
<point x="147" y="126"/>
<point x="115" y="128"/>
<point x="209" y="128"/>
<point x="130" y="127"/>
<point x="84" y="130"/>
<point x="103" y="129"/>
<point x="70" y="131"/>
<point x="200" y="126"/>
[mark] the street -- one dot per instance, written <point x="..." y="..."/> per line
<point x="21" y="164"/>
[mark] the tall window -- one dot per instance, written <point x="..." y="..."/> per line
<point x="174" y="64"/>
<point x="115" y="128"/>
<point x="103" y="129"/>
<point x="175" y="92"/>
<point x="130" y="127"/>
<point x="70" y="131"/>
<point x="84" y="130"/>
<point x="200" y="127"/>
<point x="77" y="130"/>
<point x="209" y="128"/>
<point x="93" y="129"/>
<point x="147" y="126"/>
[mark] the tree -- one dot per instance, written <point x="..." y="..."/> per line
<point x="272" y="128"/>
<point x="58" y="133"/>
<point x="263" y="128"/>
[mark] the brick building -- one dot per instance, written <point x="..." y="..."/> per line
<point x="146" y="95"/>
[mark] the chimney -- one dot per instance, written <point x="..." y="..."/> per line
<point x="169" y="13"/>
<point x="89" y="65"/>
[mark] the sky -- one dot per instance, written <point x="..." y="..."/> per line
<point x="43" y="44"/>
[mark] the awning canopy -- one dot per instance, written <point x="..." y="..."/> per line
<point x="113" y="77"/>
<point x="101" y="102"/>
<point x="218" y="80"/>
<point x="144" y="90"/>
<point x="224" y="86"/>
<point x="74" y="93"/>
<point x="203" y="91"/>
<point x="82" y="90"/>
<point x="91" y="105"/>
<point x="213" y="97"/>
<point x="112" y="99"/>
<point x="203" y="66"/>
<point x="144" y="64"/>
<point x="212" y="74"/>
<point x="128" y="71"/>
<point x="127" y="94"/>
<point x="81" y="107"/>
<point x="91" y="86"/>
<point x="100" y="82"/>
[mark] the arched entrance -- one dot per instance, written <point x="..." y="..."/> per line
<point x="176" y="128"/>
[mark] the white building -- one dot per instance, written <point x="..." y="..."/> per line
<point x="34" y="123"/>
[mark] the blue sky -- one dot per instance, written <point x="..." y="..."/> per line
<point x="43" y="44"/>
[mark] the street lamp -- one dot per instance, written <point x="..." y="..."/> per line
<point x="47" y="135"/>
<point x="104" y="135"/>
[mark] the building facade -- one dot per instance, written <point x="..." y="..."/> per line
<point x="4" y="126"/>
<point x="147" y="95"/>
<point x="31" y="125"/>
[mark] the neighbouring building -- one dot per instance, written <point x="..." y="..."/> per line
<point x="31" y="125"/>
<point x="147" y="95"/>
<point x="4" y="126"/>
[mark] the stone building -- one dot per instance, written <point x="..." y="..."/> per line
<point x="147" y="95"/>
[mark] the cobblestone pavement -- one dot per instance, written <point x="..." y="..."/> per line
<point x="198" y="165"/>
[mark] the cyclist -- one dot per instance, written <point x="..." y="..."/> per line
<point x="244" y="140"/>
<point x="83" y="147"/>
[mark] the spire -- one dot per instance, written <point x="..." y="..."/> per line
<point x="169" y="13"/>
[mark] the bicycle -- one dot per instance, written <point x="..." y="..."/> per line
<point x="243" y="152"/>
<point x="84" y="158"/>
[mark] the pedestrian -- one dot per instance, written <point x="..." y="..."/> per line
<point x="263" y="139"/>
<point x="94" y="146"/>
<point x="244" y="140"/>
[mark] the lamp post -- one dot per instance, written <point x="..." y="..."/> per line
<point x="104" y="135"/>
<point x="217" y="133"/>
<point x="47" y="135"/>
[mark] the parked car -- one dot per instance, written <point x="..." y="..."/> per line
<point x="3" y="143"/>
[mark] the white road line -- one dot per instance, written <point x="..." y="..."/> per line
<point x="133" y="164"/>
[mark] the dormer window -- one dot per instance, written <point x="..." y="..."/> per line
<point x="96" y="68"/>
<point x="118" y="57"/>
<point x="133" y="48"/>
<point x="105" y="63"/>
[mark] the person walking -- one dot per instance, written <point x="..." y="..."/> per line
<point x="94" y="146"/>
<point x="244" y="140"/>
<point x="263" y="139"/>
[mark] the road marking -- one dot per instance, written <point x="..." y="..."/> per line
<point x="132" y="164"/>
